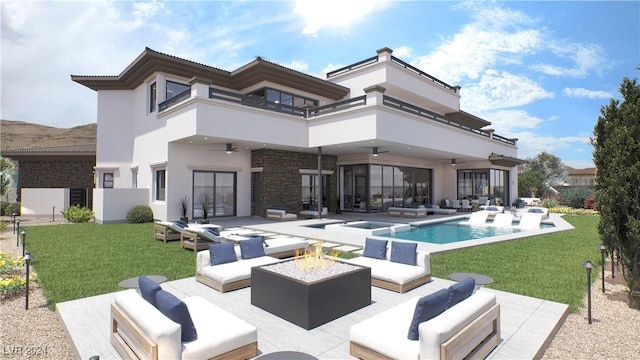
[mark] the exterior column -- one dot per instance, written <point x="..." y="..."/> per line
<point x="199" y="87"/>
<point x="320" y="182"/>
<point x="375" y="94"/>
<point x="384" y="54"/>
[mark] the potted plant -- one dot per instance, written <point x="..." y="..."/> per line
<point x="205" y="200"/>
<point x="184" y="208"/>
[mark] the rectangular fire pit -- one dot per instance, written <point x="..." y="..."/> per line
<point x="310" y="304"/>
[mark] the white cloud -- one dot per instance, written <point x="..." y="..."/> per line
<point x="531" y="144"/>
<point x="583" y="59"/>
<point x="497" y="90"/>
<point x="586" y="93"/>
<point x="297" y="65"/>
<point x="320" y="14"/>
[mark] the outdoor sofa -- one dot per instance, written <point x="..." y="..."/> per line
<point x="399" y="273"/>
<point x="312" y="212"/>
<point x="226" y="267"/>
<point x="409" y="212"/>
<point x="441" y="211"/>
<point x="280" y="215"/>
<point x="199" y="329"/>
<point x="452" y="323"/>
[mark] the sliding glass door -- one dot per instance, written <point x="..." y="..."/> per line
<point x="214" y="194"/>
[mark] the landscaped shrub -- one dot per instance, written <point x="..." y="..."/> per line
<point x="590" y="202"/>
<point x="78" y="214"/>
<point x="12" y="278"/>
<point x="7" y="208"/>
<point x="572" y="211"/>
<point x="140" y="214"/>
<point x="575" y="197"/>
<point x="549" y="203"/>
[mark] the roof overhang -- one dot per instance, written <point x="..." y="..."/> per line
<point x="507" y="161"/>
<point x="77" y="151"/>
<point x="151" y="61"/>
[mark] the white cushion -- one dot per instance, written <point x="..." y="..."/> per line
<point x="279" y="245"/>
<point x="218" y="331"/>
<point x="234" y="271"/>
<point x="390" y="271"/>
<point x="159" y="328"/>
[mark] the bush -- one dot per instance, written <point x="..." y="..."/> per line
<point x="7" y="208"/>
<point x="549" y="203"/>
<point x="590" y="202"/>
<point x="572" y="211"/>
<point x="575" y="196"/>
<point x="78" y="214"/>
<point x="140" y="214"/>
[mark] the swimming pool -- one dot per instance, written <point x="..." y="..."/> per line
<point x="450" y="232"/>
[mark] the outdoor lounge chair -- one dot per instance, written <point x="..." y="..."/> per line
<point x="198" y="238"/>
<point x="529" y="221"/>
<point x="455" y="204"/>
<point x="502" y="220"/>
<point x="280" y="215"/>
<point x="313" y="212"/>
<point x="466" y="205"/>
<point x="492" y="210"/>
<point x="476" y="218"/>
<point x="168" y="230"/>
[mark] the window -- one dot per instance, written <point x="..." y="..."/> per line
<point x="215" y="192"/>
<point x="174" y="89"/>
<point x="107" y="180"/>
<point x="153" y="96"/>
<point x="310" y="190"/>
<point x="134" y="178"/>
<point x="161" y="187"/>
<point x="287" y="101"/>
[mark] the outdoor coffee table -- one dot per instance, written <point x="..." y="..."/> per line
<point x="480" y="279"/>
<point x="132" y="283"/>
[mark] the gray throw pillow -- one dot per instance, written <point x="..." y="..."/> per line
<point x="461" y="290"/>
<point x="404" y="252"/>
<point x="252" y="248"/>
<point x="376" y="249"/>
<point x="427" y="308"/>
<point x="176" y="310"/>
<point x="222" y="253"/>
<point x="148" y="289"/>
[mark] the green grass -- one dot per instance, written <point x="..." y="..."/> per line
<point x="80" y="260"/>
<point x="545" y="266"/>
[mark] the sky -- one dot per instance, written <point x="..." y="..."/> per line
<point x="539" y="71"/>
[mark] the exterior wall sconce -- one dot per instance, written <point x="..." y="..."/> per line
<point x="588" y="265"/>
<point x="375" y="151"/>
<point x="229" y="149"/>
<point x="453" y="162"/>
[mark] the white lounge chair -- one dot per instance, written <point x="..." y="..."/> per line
<point x="502" y="220"/>
<point x="476" y="218"/>
<point x="529" y="221"/>
<point x="314" y="213"/>
<point x="538" y="211"/>
<point x="492" y="210"/>
<point x="455" y="204"/>
<point x="197" y="237"/>
<point x="168" y="230"/>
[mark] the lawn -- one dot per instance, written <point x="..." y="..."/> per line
<point x="79" y="260"/>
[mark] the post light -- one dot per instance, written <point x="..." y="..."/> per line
<point x="53" y="214"/>
<point x="27" y="260"/>
<point x="14" y="221"/>
<point x="602" y="248"/>
<point x="24" y="235"/>
<point x="17" y="232"/>
<point x="588" y="265"/>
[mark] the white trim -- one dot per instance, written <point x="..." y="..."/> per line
<point x="106" y="168"/>
<point x="315" y="172"/>
<point x="210" y="167"/>
<point x="257" y="169"/>
<point x="158" y="164"/>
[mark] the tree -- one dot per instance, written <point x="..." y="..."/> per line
<point x="617" y="157"/>
<point x="531" y="183"/>
<point x="553" y="169"/>
<point x="6" y="177"/>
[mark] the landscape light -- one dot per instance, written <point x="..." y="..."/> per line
<point x="588" y="265"/>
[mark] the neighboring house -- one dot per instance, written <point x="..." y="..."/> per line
<point x="380" y="133"/>
<point x="581" y="177"/>
<point x="55" y="167"/>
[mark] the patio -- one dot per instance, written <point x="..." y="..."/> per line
<point x="527" y="324"/>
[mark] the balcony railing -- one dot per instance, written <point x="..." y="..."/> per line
<point x="255" y="102"/>
<point x="338" y="105"/>
<point x="348" y="68"/>
<point x="174" y="100"/>
<point x="412" y="109"/>
<point x="423" y="74"/>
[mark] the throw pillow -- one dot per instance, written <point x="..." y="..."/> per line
<point x="148" y="289"/>
<point x="376" y="249"/>
<point x="252" y="248"/>
<point x="181" y="224"/>
<point x="461" y="290"/>
<point x="536" y="211"/>
<point x="212" y="231"/>
<point x="404" y="252"/>
<point x="313" y="207"/>
<point x="427" y="308"/>
<point x="176" y="310"/>
<point x="222" y="253"/>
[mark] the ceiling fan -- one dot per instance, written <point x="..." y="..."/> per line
<point x="228" y="149"/>
<point x="376" y="151"/>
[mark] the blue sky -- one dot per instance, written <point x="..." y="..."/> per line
<point x="539" y="71"/>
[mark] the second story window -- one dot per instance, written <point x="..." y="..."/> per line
<point x="107" y="180"/>
<point x="153" y="96"/>
<point x="174" y="89"/>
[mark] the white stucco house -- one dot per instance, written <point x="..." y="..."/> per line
<point x="380" y="132"/>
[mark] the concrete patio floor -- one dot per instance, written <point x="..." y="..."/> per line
<point x="527" y="324"/>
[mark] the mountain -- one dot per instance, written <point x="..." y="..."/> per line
<point x="23" y="135"/>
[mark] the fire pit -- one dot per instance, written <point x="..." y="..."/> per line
<point x="310" y="290"/>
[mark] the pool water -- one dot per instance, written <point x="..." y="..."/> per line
<point x="450" y="232"/>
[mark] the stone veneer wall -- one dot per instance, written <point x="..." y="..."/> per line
<point x="281" y="181"/>
<point x="56" y="173"/>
